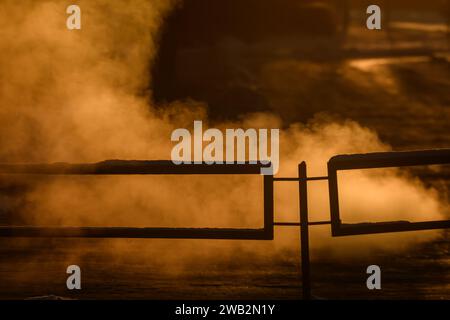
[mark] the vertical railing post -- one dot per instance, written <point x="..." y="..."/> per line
<point x="304" y="231"/>
<point x="268" y="207"/>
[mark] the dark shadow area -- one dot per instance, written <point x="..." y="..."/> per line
<point x="211" y="50"/>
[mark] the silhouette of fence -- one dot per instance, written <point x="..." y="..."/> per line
<point x="335" y="164"/>
<point x="120" y="167"/>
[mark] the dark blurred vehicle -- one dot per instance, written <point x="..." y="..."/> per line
<point x="210" y="50"/>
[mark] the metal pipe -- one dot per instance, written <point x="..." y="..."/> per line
<point x="298" y="179"/>
<point x="304" y="231"/>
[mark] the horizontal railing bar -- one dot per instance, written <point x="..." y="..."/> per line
<point x="300" y="179"/>
<point x="390" y="159"/>
<point x="317" y="178"/>
<point x="318" y="223"/>
<point x="386" y="227"/>
<point x="124" y="167"/>
<point x="126" y="232"/>
<point x="294" y="224"/>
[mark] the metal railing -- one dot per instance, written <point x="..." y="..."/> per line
<point x="121" y="167"/>
<point x="335" y="164"/>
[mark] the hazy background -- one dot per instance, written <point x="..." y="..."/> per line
<point x="84" y="96"/>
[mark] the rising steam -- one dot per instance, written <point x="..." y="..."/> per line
<point x="82" y="96"/>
